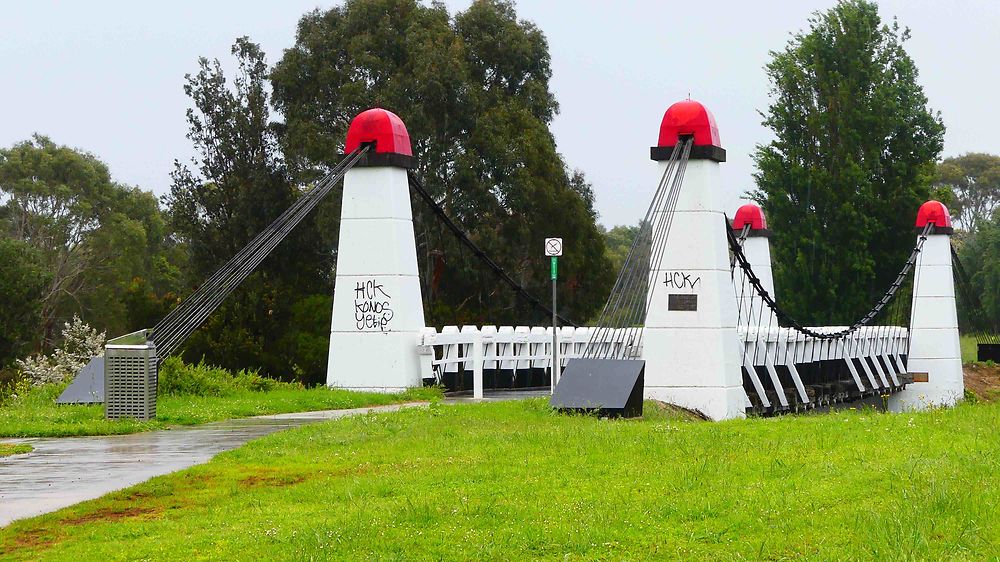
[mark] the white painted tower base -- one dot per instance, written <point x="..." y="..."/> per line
<point x="934" y="343"/>
<point x="757" y="250"/>
<point x="377" y="308"/>
<point x="692" y="356"/>
<point x="690" y="343"/>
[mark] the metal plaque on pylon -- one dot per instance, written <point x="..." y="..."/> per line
<point x="553" y="247"/>
<point x="682" y="302"/>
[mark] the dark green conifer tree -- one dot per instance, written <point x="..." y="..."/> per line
<point x="852" y="160"/>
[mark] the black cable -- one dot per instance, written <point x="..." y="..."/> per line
<point x="479" y="253"/>
<point x="635" y="264"/>
<point x="637" y="291"/>
<point x="741" y="292"/>
<point x="973" y="306"/>
<point x="176" y="316"/>
<point x="170" y="333"/>
<point x="210" y="295"/>
<point x="646" y="265"/>
<point x="668" y="214"/>
<point x="610" y="314"/>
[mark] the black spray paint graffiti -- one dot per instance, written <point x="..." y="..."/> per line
<point x="371" y="306"/>
<point x="681" y="280"/>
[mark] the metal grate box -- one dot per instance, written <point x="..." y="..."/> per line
<point x="130" y="378"/>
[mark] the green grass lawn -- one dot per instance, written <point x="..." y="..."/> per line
<point x="8" y="449"/>
<point x="514" y="481"/>
<point x="970" y="351"/>
<point x="37" y="415"/>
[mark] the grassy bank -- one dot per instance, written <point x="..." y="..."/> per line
<point x="970" y="350"/>
<point x="189" y="394"/>
<point x="514" y="481"/>
<point x="8" y="449"/>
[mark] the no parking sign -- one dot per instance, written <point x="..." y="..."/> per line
<point x="553" y="247"/>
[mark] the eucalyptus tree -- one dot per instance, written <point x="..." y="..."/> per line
<point x="974" y="179"/>
<point x="23" y="282"/>
<point x="473" y="90"/>
<point x="93" y="236"/>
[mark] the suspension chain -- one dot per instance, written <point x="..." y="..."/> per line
<point x="790" y="322"/>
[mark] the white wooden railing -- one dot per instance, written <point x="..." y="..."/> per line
<point x="523" y="348"/>
<point x="512" y="348"/>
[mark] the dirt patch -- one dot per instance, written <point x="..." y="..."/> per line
<point x="199" y="480"/>
<point x="33" y="539"/>
<point x="110" y="514"/>
<point x="41" y="539"/>
<point x="173" y="488"/>
<point x="138" y="495"/>
<point x="983" y="380"/>
<point x="271" y="479"/>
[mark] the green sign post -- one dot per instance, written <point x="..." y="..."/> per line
<point x="553" y="249"/>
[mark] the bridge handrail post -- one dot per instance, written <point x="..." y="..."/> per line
<point x="477" y="365"/>
<point x="425" y="349"/>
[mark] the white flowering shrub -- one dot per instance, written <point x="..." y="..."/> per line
<point x="39" y="370"/>
<point x="80" y="343"/>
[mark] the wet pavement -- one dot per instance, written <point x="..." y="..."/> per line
<point x="62" y="471"/>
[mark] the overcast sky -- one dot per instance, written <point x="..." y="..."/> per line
<point x="107" y="76"/>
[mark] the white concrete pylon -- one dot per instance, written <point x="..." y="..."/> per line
<point x="935" y="357"/>
<point x="690" y="343"/>
<point x="378" y="312"/>
<point x="757" y="249"/>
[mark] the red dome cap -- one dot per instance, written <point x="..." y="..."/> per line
<point x="933" y="212"/>
<point x="689" y="117"/>
<point x="749" y="214"/>
<point x="382" y="127"/>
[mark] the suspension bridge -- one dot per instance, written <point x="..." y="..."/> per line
<point x="694" y="302"/>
